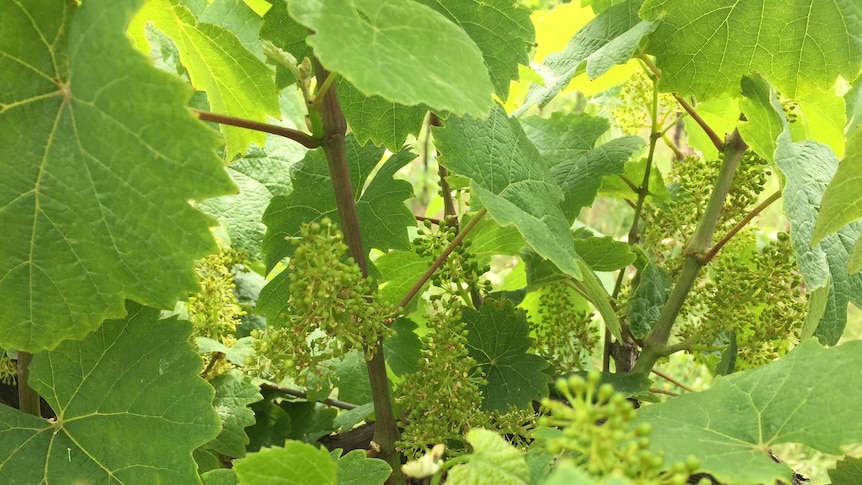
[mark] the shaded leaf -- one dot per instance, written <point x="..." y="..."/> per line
<point x="97" y="174"/>
<point x="260" y="174"/>
<point x="604" y="253"/>
<point x="493" y="460"/>
<point x="374" y="118"/>
<point x="510" y="179"/>
<point x="847" y="471"/>
<point x="382" y="214"/>
<point x="288" y="35"/>
<point x="345" y="421"/>
<point x="400" y="270"/>
<point x="488" y="239"/>
<point x="444" y="68"/>
<point x="234" y="392"/>
<point x="498" y="340"/>
<point x="580" y="176"/>
<point x="653" y="289"/>
<point x="798" y="45"/>
<point x="502" y="30"/>
<point x="564" y="135"/>
<point x="295" y="464"/>
<point x="808" y="168"/>
<point x="731" y="426"/>
<point x="114" y="394"/>
<point x="236" y="82"/>
<point x="355" y="468"/>
<point x="404" y="349"/>
<point x="610" y="38"/>
<point x="764" y="115"/>
<point x="221" y="476"/>
<point x="239" y="18"/>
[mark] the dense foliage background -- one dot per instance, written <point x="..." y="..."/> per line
<point x="310" y="241"/>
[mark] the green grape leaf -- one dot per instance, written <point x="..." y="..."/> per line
<point x="308" y="420"/>
<point x="847" y="471"/>
<point x="236" y="82"/>
<point x="808" y="168"/>
<point x="355" y="468"/>
<point x="567" y="142"/>
<point x="234" y="393"/>
<point x="609" y="39"/>
<point x="295" y="464"/>
<point x="373" y="118"/>
<point x="260" y="174"/>
<point x="567" y="474"/>
<point x="488" y="239"/>
<point x="653" y="289"/>
<point x="382" y="214"/>
<point x="493" y="460"/>
<point x="822" y="115"/>
<point x="400" y="270"/>
<point x="289" y="36"/>
<point x="239" y="18"/>
<point x="604" y="253"/>
<point x="765" y="119"/>
<point x="853" y="107"/>
<point x="350" y="376"/>
<point x="221" y="476"/>
<point x="564" y="135"/>
<point x="842" y="201"/>
<point x="731" y="426"/>
<point x="348" y="419"/>
<point x="510" y="179"/>
<point x="419" y="56"/>
<point x="404" y="349"/>
<point x="498" y="339"/>
<point x="854" y="263"/>
<point x="271" y="424"/>
<point x="634" y="170"/>
<point x="580" y="176"/>
<point x="502" y="29"/>
<point x="797" y="46"/>
<point x="94" y="204"/>
<point x="205" y="460"/>
<point x="115" y="397"/>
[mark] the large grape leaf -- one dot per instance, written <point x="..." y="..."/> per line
<point x="580" y="176"/>
<point x="609" y="39"/>
<point x="765" y="119"/>
<point x="234" y="393"/>
<point x="502" y="30"/>
<point x="239" y="18"/>
<point x="100" y="160"/>
<point x="706" y="46"/>
<point x="260" y="174"/>
<point x="236" y="82"/>
<point x="380" y="206"/>
<point x="400" y="270"/>
<point x="808" y="168"/>
<point x="355" y="468"/>
<point x="493" y="460"/>
<point x="731" y="426"/>
<point x="842" y="201"/>
<point x="564" y="135"/>
<point x="374" y="118"/>
<point x="498" y="339"/>
<point x="399" y="50"/>
<point x="295" y="464"/>
<point x="510" y="179"/>
<point x="847" y="471"/>
<point x="130" y="408"/>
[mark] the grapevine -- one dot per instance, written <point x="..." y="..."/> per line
<point x="331" y="308"/>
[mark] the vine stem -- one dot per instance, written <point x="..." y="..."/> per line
<point x="656" y="340"/>
<point x="303" y="139"/>
<point x="28" y="399"/>
<point x="386" y="432"/>
<point x="738" y="227"/>
<point x="672" y="380"/>
<point x="713" y="136"/>
<point x="442" y="258"/>
<point x="297" y="393"/>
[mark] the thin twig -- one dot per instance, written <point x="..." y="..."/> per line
<point x="713" y="137"/>
<point x="302" y="395"/>
<point x="672" y="380"/>
<point x="303" y="139"/>
<point x="441" y="259"/>
<point x="433" y="220"/>
<point x="662" y="391"/>
<point x="738" y="227"/>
